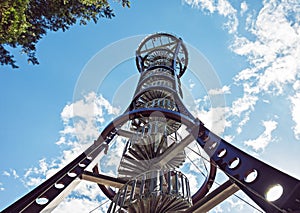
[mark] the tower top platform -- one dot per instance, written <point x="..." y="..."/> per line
<point x="162" y="49"/>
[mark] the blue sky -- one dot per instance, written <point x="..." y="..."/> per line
<point x="252" y="48"/>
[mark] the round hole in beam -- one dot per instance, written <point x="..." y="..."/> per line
<point x="89" y="158"/>
<point x="222" y="153"/>
<point x="72" y="174"/>
<point x="59" y="185"/>
<point x="274" y="192"/>
<point x="251" y="176"/>
<point x="42" y="200"/>
<point x="234" y="163"/>
<point x="82" y="165"/>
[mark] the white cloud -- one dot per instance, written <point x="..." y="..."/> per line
<point x="262" y="141"/>
<point x="217" y="209"/>
<point x="91" y="106"/>
<point x="296" y="85"/>
<point x="222" y="91"/>
<point x="282" y="71"/>
<point x="208" y="5"/>
<point x="191" y="84"/>
<point x="6" y="173"/>
<point x="244" y="104"/>
<point x="14" y="173"/>
<point x="11" y="173"/>
<point x="271" y="45"/>
<point x="77" y="205"/>
<point x="225" y="8"/>
<point x="214" y="118"/>
<point x="33" y="181"/>
<point x="116" y="153"/>
<point x="82" y="122"/>
<point x="86" y="197"/>
<point x="1" y="187"/>
<point x="274" y="53"/>
<point x="295" y="108"/>
<point x="36" y="175"/>
<point x="83" y="118"/>
<point x="228" y="138"/>
<point x="245" y="118"/>
<point x="244" y="7"/>
<point x="222" y="7"/>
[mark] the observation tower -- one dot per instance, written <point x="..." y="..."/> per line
<point x="158" y="128"/>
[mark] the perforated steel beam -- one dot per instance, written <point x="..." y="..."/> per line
<point x="50" y="193"/>
<point x="45" y="197"/>
<point x="251" y="175"/>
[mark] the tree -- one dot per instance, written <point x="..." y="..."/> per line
<point x="24" y="22"/>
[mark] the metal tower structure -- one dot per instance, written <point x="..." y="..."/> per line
<point x="158" y="127"/>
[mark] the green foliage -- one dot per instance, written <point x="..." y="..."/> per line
<point x="24" y="22"/>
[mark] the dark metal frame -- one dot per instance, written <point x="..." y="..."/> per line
<point x="235" y="163"/>
<point x="288" y="202"/>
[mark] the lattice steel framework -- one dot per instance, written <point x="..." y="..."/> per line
<point x="157" y="127"/>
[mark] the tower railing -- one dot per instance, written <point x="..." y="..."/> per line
<point x="156" y="190"/>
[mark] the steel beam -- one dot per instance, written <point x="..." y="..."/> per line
<point x="172" y="152"/>
<point x="49" y="194"/>
<point x="214" y="198"/>
<point x="126" y="133"/>
<point x="251" y="175"/>
<point x="103" y="179"/>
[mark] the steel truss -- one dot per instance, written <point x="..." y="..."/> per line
<point x="69" y="176"/>
<point x="158" y="96"/>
